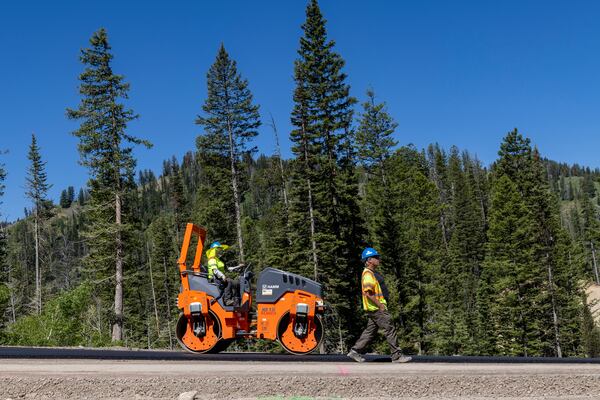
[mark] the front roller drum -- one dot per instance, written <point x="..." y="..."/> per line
<point x="302" y="344"/>
<point x="205" y="343"/>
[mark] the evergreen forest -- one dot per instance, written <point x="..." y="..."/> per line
<point x="479" y="259"/>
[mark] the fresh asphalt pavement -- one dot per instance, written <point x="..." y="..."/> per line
<point x="173" y="355"/>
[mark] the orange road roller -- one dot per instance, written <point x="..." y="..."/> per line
<point x="288" y="309"/>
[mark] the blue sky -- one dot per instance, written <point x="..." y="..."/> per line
<point x="452" y="72"/>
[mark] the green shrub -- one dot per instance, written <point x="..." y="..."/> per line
<point x="64" y="321"/>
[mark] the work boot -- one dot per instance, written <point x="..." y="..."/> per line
<point x="402" y="359"/>
<point x="355" y="356"/>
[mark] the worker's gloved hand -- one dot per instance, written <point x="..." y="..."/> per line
<point x="219" y="276"/>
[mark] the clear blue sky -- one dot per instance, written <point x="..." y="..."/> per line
<point x="453" y="72"/>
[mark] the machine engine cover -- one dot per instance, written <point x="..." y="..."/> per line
<point x="273" y="283"/>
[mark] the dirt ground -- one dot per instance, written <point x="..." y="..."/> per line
<point x="593" y="300"/>
<point x="92" y="379"/>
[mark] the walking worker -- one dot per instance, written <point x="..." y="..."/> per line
<point x="375" y="296"/>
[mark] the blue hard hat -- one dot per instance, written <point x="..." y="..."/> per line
<point x="214" y="244"/>
<point x="369" y="252"/>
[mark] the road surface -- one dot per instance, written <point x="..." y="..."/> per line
<point x="267" y="377"/>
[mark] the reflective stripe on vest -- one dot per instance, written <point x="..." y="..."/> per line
<point x="215" y="263"/>
<point x="373" y="286"/>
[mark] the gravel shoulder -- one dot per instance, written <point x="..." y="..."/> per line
<point x="96" y="379"/>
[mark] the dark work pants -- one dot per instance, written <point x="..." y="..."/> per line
<point x="232" y="291"/>
<point x="378" y="320"/>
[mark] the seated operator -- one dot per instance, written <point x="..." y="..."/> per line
<point x="216" y="270"/>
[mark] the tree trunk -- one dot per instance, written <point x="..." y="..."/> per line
<point x="554" y="313"/>
<point x="12" y="294"/>
<point x="442" y="198"/>
<point x="38" y="289"/>
<point x="168" y="291"/>
<point x="149" y="344"/>
<point x="283" y="181"/>
<point x="153" y="291"/>
<point x="595" y="265"/>
<point x="310" y="208"/>
<point x="382" y="172"/>
<point x="117" y="329"/>
<point x="281" y="171"/>
<point x="312" y="231"/>
<point x="480" y="192"/>
<point x="236" y="195"/>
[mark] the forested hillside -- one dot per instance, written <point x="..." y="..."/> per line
<point x="479" y="259"/>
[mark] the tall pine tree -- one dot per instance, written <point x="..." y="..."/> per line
<point x="37" y="191"/>
<point x="374" y="144"/>
<point x="106" y="149"/>
<point x="326" y="230"/>
<point x="230" y="122"/>
<point x="457" y="280"/>
<point x="535" y="299"/>
<point x="5" y="291"/>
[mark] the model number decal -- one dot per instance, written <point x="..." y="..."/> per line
<point x="268" y="310"/>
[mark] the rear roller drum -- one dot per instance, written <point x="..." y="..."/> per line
<point x="203" y="343"/>
<point x="294" y="343"/>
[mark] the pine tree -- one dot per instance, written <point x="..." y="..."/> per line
<point x="421" y="233"/>
<point x="458" y="279"/>
<point x="380" y="205"/>
<point x="473" y="223"/>
<point x="563" y="188"/>
<point x="587" y="186"/>
<point x="590" y="236"/>
<point x="70" y="195"/>
<point x="374" y="147"/>
<point x="283" y="176"/>
<point x="275" y="247"/>
<point x="409" y="237"/>
<point x="303" y="175"/>
<point x="163" y="250"/>
<point x="105" y="148"/>
<point x="19" y="248"/>
<point x="67" y="197"/>
<point x="81" y="197"/>
<point x="326" y="230"/>
<point x="534" y="301"/>
<point x="2" y="180"/>
<point x="508" y="269"/>
<point x="374" y="136"/>
<point x="37" y="191"/>
<point x="63" y="202"/>
<point x="591" y="334"/>
<point x="266" y="213"/>
<point x="438" y="165"/>
<point x="230" y="123"/>
<point x="5" y="290"/>
<point x="571" y="191"/>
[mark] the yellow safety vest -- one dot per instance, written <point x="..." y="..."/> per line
<point x="215" y="263"/>
<point x="370" y="283"/>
